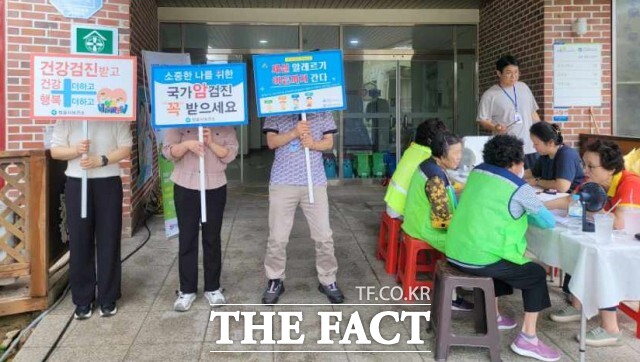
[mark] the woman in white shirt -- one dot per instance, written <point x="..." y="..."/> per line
<point x="99" y="233"/>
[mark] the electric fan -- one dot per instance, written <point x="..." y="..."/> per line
<point x="593" y="198"/>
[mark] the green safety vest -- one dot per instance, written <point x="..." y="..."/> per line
<point x="483" y="231"/>
<point x="396" y="195"/>
<point x="417" y="216"/>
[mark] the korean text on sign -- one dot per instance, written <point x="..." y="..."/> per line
<point x="198" y="95"/>
<point x="83" y="87"/>
<point x="299" y="82"/>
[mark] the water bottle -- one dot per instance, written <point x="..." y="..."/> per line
<point x="575" y="213"/>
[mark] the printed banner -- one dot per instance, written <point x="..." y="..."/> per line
<point x="299" y="82"/>
<point x="199" y="95"/>
<point x="80" y="87"/>
<point x="165" y="166"/>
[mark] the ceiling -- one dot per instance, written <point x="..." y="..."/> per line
<point x="325" y="4"/>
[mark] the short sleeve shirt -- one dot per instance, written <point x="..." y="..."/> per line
<point x="565" y="165"/>
<point x="499" y="107"/>
<point x="625" y="188"/>
<point x="105" y="136"/>
<point x="289" y="166"/>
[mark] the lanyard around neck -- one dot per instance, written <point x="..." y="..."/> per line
<point x="513" y="100"/>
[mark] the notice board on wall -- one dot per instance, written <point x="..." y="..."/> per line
<point x="577" y="75"/>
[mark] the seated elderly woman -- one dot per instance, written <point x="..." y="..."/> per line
<point x="486" y="237"/>
<point x="604" y="165"/>
<point x="431" y="199"/>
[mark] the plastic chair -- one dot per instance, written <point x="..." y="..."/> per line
<point x="409" y="265"/>
<point x="388" y="242"/>
<point x="447" y="279"/>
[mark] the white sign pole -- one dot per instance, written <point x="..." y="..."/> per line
<point x="307" y="158"/>
<point x="83" y="197"/>
<point x="203" y="201"/>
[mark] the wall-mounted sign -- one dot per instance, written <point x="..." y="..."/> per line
<point x="199" y="95"/>
<point x="299" y="82"/>
<point x="83" y="87"/>
<point x="577" y="75"/>
<point x="560" y="114"/>
<point x="92" y="39"/>
<point x="80" y="9"/>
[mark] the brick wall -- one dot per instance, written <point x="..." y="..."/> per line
<point x="528" y="30"/>
<point x="35" y="26"/>
<point x="144" y="36"/>
<point x="514" y="27"/>
<point x="558" y="18"/>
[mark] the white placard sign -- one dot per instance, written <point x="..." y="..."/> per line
<point x="577" y="75"/>
<point x="83" y="87"/>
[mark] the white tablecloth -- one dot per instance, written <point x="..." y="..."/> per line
<point x="602" y="275"/>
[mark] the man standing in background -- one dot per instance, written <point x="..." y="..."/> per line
<point x="509" y="107"/>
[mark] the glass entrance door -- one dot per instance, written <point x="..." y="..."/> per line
<point x="386" y="101"/>
<point x="369" y="123"/>
<point x="426" y="92"/>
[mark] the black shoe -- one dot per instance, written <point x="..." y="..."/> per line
<point x="332" y="292"/>
<point x="83" y="311"/>
<point x="275" y="288"/>
<point x="108" y="310"/>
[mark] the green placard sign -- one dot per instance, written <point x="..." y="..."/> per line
<point x="91" y="39"/>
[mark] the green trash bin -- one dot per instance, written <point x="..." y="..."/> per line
<point x="362" y="165"/>
<point x="379" y="169"/>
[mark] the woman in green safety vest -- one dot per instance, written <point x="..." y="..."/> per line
<point x="418" y="151"/>
<point x="486" y="237"/>
<point x="431" y="199"/>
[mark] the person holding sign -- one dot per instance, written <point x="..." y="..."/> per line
<point x="98" y="234"/>
<point x="219" y="148"/>
<point x="288" y="188"/>
<point x="509" y="107"/>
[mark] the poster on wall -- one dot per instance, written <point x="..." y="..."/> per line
<point x="79" y="87"/>
<point x="299" y="82"/>
<point x="165" y="167"/>
<point x="199" y="95"/>
<point x="577" y="75"/>
<point x="145" y="141"/>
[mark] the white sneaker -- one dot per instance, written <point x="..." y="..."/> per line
<point x="184" y="301"/>
<point x="215" y="298"/>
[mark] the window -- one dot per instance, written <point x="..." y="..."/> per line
<point x="627" y="57"/>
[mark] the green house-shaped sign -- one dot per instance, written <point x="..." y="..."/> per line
<point x="90" y="39"/>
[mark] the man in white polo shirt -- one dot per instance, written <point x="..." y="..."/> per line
<point x="509" y="107"/>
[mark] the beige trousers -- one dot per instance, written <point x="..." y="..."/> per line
<point x="283" y="202"/>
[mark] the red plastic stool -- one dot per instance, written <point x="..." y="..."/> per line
<point x="388" y="242"/>
<point x="409" y="265"/>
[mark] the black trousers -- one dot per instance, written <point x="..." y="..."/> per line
<point x="96" y="235"/>
<point x="187" y="203"/>
<point x="531" y="278"/>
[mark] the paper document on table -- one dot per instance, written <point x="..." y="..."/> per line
<point x="544" y="197"/>
<point x="561" y="217"/>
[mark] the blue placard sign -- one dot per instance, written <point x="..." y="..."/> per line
<point x="199" y="95"/>
<point x="80" y="9"/>
<point x="299" y="82"/>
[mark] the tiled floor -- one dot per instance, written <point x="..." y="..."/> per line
<point x="147" y="329"/>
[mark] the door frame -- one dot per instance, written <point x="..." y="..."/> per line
<point x="398" y="110"/>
